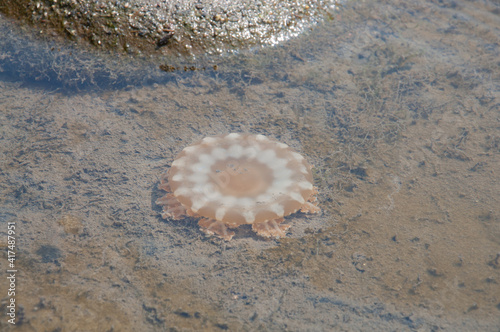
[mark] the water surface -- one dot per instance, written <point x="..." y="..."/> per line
<point x="395" y="104"/>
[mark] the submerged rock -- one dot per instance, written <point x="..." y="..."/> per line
<point x="187" y="27"/>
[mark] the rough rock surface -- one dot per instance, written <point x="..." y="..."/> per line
<point x="180" y="26"/>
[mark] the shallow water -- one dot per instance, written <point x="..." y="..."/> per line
<point x="397" y="107"/>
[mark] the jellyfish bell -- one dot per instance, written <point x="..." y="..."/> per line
<point x="237" y="179"/>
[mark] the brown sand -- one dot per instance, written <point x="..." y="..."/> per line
<point x="397" y="107"/>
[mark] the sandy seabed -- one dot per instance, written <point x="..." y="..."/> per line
<point x="397" y="106"/>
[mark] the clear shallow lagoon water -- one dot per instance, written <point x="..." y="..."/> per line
<point x="396" y="105"/>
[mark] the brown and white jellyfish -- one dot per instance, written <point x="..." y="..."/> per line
<point x="238" y="179"/>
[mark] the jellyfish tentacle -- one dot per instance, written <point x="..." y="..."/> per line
<point x="172" y="208"/>
<point x="271" y="228"/>
<point x="310" y="208"/>
<point x="214" y="227"/>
